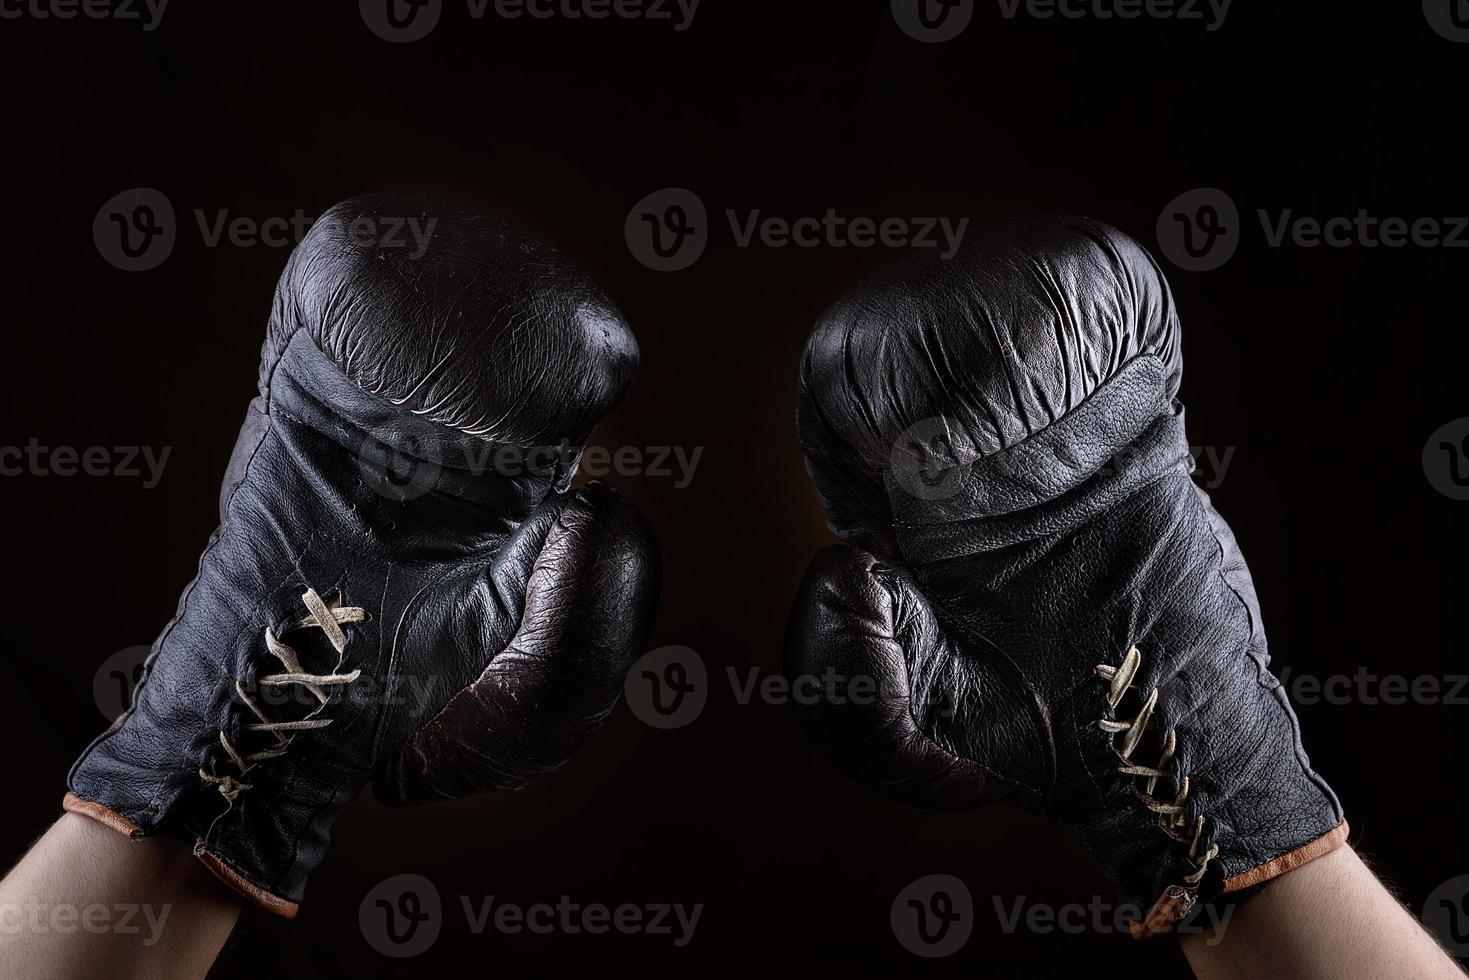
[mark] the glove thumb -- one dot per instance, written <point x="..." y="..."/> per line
<point x="866" y="638"/>
<point x="585" y="600"/>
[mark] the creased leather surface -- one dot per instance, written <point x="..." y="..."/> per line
<point x="1043" y="526"/>
<point x="486" y="323"/>
<point x="503" y="609"/>
<point x="1004" y="339"/>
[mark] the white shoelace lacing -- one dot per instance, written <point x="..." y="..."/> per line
<point x="1171" y="816"/>
<point x="327" y="617"/>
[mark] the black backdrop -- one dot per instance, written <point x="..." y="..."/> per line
<point x="1325" y="369"/>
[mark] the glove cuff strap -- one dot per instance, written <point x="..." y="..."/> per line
<point x="106" y="816"/>
<point x="257" y="896"/>
<point x="115" y="821"/>
<point x="1305" y="854"/>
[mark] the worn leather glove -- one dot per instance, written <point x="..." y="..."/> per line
<point x="1055" y="615"/>
<point x="402" y="589"/>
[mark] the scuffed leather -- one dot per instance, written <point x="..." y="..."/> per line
<point x="1044" y="524"/>
<point x="503" y="609"/>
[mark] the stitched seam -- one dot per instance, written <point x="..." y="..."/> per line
<point x="1262" y="668"/>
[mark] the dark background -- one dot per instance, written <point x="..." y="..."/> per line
<point x="1325" y="368"/>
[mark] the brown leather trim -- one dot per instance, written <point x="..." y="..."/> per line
<point x="257" y="895"/>
<point x="71" y="803"/>
<point x="1171" y="906"/>
<point x="1322" y="845"/>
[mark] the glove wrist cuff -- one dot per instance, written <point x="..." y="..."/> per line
<point x="1305" y="854"/>
<point x="1220" y="824"/>
<point x="242" y="886"/>
<point x="1177" y="904"/>
<point x="237" y="882"/>
<point x="106" y="816"/>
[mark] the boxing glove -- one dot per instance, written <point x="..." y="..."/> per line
<point x="402" y="588"/>
<point x="1054" y="615"/>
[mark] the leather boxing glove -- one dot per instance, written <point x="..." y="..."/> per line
<point x="1055" y="615"/>
<point x="402" y="588"/>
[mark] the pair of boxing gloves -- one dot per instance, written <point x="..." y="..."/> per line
<point x="1054" y="615"/>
